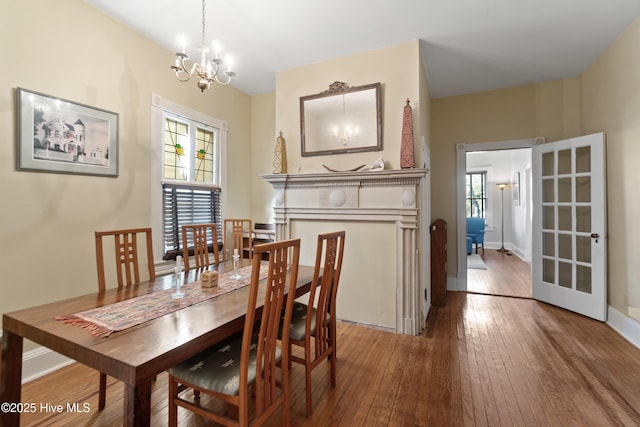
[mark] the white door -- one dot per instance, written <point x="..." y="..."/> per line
<point x="569" y="250"/>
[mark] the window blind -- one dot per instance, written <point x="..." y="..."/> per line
<point x="187" y="204"/>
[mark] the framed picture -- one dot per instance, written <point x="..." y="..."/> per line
<point x="515" y="185"/>
<point x="61" y="136"/>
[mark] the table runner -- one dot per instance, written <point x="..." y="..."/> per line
<point x="103" y="321"/>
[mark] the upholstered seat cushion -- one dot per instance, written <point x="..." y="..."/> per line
<point x="299" y="319"/>
<point x="218" y="367"/>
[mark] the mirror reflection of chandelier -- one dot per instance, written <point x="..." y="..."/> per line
<point x="344" y="134"/>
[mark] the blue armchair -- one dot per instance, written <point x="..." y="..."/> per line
<point x="475" y="233"/>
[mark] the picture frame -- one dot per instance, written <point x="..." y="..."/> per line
<point x="60" y="136"/>
<point x="515" y="185"/>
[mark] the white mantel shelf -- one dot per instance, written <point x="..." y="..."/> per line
<point x="390" y="201"/>
<point x="392" y="176"/>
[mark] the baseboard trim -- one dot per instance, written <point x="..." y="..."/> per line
<point x="42" y="361"/>
<point x="626" y="326"/>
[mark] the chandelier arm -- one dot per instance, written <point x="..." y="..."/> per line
<point x="195" y="69"/>
<point x="180" y="72"/>
<point x="222" y="82"/>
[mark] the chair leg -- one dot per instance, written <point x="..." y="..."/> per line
<point x="285" y="387"/>
<point x="333" y="356"/>
<point x="332" y="361"/>
<point x="102" y="391"/>
<point x="173" y="408"/>
<point x="307" y="374"/>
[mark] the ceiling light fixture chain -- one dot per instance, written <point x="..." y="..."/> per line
<point x="204" y="25"/>
<point x="208" y="71"/>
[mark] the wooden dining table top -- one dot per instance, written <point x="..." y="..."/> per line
<point x="137" y="354"/>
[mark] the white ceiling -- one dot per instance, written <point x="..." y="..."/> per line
<point x="468" y="45"/>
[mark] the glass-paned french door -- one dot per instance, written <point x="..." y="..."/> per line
<point x="569" y="220"/>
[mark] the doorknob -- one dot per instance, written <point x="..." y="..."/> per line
<point x="595" y="236"/>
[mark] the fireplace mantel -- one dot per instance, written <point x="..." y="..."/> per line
<point x="383" y="213"/>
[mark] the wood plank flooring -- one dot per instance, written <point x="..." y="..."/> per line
<point x="481" y="361"/>
<point x="506" y="275"/>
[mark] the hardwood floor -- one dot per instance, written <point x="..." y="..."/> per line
<point x="481" y="361"/>
<point x="506" y="275"/>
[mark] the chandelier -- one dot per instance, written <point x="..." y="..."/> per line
<point x="207" y="71"/>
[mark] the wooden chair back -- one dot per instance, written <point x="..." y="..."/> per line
<point x="316" y="321"/>
<point x="254" y="350"/>
<point x="281" y="279"/>
<point x="198" y="237"/>
<point x="240" y="237"/>
<point x="126" y="255"/>
<point x="127" y="266"/>
<point x="329" y="254"/>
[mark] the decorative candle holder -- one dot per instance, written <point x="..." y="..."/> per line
<point x="236" y="275"/>
<point x="178" y="293"/>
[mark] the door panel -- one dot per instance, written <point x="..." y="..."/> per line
<point x="569" y="220"/>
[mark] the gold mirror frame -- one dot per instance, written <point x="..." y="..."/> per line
<point x="341" y="120"/>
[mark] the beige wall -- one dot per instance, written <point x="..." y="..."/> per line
<point x="263" y="143"/>
<point x="547" y="109"/>
<point x="397" y="68"/>
<point x="605" y="98"/>
<point x="611" y="103"/>
<point x="70" y="50"/>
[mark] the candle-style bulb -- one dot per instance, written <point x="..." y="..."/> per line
<point x="182" y="42"/>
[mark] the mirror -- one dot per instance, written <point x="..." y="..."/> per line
<point x="341" y="120"/>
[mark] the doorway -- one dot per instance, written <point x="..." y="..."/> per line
<point x="504" y="261"/>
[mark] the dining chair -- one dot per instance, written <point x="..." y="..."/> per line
<point x="126" y="255"/>
<point x="197" y="238"/>
<point x="228" y="369"/>
<point x="127" y="263"/>
<point x="240" y="238"/>
<point x="317" y="319"/>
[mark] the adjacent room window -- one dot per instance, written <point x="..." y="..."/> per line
<point x="476" y="194"/>
<point x="189" y="173"/>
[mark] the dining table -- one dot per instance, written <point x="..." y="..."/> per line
<point x="135" y="355"/>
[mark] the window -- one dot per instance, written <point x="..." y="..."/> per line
<point x="187" y="174"/>
<point x="184" y="204"/>
<point x="476" y="194"/>
<point x="189" y="151"/>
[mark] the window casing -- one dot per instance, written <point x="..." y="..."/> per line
<point x="187" y="177"/>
